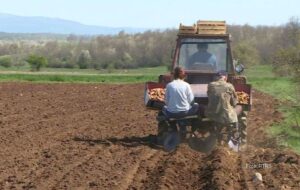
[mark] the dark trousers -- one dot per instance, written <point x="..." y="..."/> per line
<point x="192" y="111"/>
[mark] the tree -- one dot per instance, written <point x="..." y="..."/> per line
<point x="286" y="59"/>
<point x="246" y="53"/>
<point x="36" y="62"/>
<point x="84" y="59"/>
<point x="291" y="33"/>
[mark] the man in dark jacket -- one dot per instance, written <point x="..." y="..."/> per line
<point x="222" y="100"/>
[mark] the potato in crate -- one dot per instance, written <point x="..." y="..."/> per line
<point x="154" y="95"/>
<point x="244" y="95"/>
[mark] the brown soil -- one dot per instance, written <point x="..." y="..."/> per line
<point x="72" y="136"/>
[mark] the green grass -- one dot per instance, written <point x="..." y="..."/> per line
<point x="262" y="78"/>
<point x="78" y="78"/>
<point x="287" y="90"/>
<point x="144" y="71"/>
<point x="82" y="75"/>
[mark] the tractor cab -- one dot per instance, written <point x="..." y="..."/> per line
<point x="202" y="58"/>
<point x="202" y="50"/>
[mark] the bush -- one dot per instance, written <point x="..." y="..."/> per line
<point x="36" y="62"/>
<point x="287" y="62"/>
<point x="55" y="63"/>
<point x="5" y="61"/>
<point x="84" y="59"/>
<point x="69" y="65"/>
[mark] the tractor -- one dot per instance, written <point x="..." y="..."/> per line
<point x="214" y="37"/>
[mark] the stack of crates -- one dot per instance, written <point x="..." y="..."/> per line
<point x="204" y="27"/>
<point x="211" y="27"/>
<point x="187" y="29"/>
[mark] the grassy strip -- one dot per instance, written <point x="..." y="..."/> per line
<point x="113" y="78"/>
<point x="285" y="89"/>
<point x="262" y="78"/>
<point x="145" y="71"/>
<point x="82" y="75"/>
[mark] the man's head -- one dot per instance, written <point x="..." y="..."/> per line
<point x="202" y="47"/>
<point x="222" y="75"/>
<point x="179" y="73"/>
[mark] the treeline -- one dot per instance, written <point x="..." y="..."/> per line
<point x="148" y="49"/>
<point x="276" y="45"/>
<point x="31" y="36"/>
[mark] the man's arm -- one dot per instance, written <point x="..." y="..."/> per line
<point x="233" y="98"/>
<point x="208" y="89"/>
<point x="167" y="95"/>
<point x="213" y="61"/>
<point x="190" y="94"/>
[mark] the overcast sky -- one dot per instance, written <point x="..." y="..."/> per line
<point x="157" y="13"/>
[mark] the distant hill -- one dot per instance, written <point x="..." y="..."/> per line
<point x="21" y="24"/>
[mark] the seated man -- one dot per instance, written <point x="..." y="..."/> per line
<point x="179" y="97"/>
<point x="202" y="58"/>
<point x="222" y="100"/>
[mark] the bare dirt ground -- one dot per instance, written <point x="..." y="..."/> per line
<point x="72" y="136"/>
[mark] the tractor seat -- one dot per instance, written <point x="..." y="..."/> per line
<point x="166" y="116"/>
<point x="184" y="118"/>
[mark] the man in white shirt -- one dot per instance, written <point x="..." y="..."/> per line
<point x="179" y="97"/>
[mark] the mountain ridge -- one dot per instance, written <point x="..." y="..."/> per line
<point x="10" y="23"/>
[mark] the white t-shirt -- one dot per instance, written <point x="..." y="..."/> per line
<point x="179" y="96"/>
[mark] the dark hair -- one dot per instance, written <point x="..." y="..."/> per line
<point x="222" y="73"/>
<point x="179" y="73"/>
<point x="202" y="46"/>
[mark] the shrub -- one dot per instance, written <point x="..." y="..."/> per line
<point x="84" y="59"/>
<point x="246" y="53"/>
<point x="36" y="62"/>
<point x="5" y="61"/>
<point x="287" y="62"/>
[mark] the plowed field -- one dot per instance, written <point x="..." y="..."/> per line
<point x="83" y="136"/>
